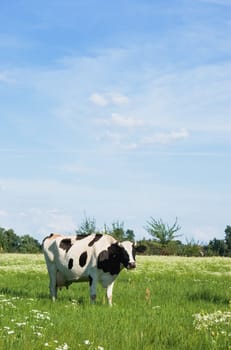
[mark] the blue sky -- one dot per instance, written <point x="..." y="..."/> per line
<point x="117" y="110"/>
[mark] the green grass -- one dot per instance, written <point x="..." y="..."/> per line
<point x="166" y="303"/>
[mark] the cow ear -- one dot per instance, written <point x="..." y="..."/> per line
<point x="140" y="248"/>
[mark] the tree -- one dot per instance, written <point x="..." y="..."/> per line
<point x="28" y="244"/>
<point x="12" y="243"/>
<point x="9" y="241"/>
<point x="217" y="246"/>
<point x="87" y="227"/>
<point x="118" y="230"/>
<point x="162" y="232"/>
<point x="119" y="233"/>
<point x="228" y="237"/>
<point x="129" y="235"/>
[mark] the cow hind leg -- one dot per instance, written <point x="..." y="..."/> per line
<point x="53" y="285"/>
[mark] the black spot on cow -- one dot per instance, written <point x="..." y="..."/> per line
<point x="90" y="280"/>
<point x="70" y="263"/>
<point x="95" y="239"/>
<point x="109" y="260"/>
<point x="81" y="236"/>
<point x="83" y="259"/>
<point x="65" y="244"/>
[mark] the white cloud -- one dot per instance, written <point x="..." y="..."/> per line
<point x="3" y="213"/>
<point x="151" y="93"/>
<point x="118" y="99"/>
<point x="132" y="141"/>
<point x="110" y="98"/>
<point x="99" y="99"/>
<point x="123" y="121"/>
<point x="167" y="137"/>
<point x="159" y="98"/>
<point x="119" y="120"/>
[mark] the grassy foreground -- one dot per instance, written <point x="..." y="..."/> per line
<point x="166" y="303"/>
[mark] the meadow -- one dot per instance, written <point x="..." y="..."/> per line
<point x="166" y="303"/>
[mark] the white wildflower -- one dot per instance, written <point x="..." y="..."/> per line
<point x="38" y="334"/>
<point x="62" y="347"/>
<point x="215" y="323"/>
<point x="20" y="324"/>
<point x="39" y="315"/>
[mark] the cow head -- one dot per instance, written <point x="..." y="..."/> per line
<point x="127" y="254"/>
<point x="117" y="256"/>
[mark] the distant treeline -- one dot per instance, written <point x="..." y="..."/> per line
<point x="12" y="243"/>
<point x="163" y="240"/>
<point x="216" y="247"/>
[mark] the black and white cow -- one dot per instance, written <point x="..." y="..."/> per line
<point x="94" y="258"/>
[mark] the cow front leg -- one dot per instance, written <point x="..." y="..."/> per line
<point x="93" y="284"/>
<point x="109" y="290"/>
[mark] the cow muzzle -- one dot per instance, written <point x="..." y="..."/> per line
<point x="131" y="265"/>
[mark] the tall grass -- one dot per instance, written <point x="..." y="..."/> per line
<point x="166" y="303"/>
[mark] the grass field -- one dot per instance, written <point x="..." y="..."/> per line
<point x="166" y="303"/>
